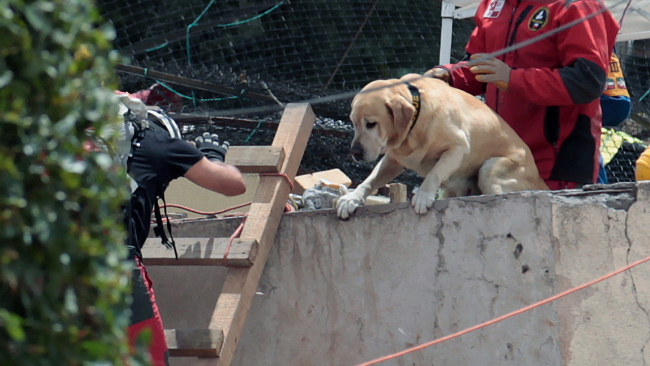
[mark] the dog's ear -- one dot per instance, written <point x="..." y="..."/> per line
<point x="402" y="112"/>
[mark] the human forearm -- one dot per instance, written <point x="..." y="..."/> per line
<point x="218" y="177"/>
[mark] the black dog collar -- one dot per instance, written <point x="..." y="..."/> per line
<point x="415" y="96"/>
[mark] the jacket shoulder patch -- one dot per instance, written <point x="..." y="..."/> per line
<point x="494" y="9"/>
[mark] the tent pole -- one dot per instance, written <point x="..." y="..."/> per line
<point x="446" y="31"/>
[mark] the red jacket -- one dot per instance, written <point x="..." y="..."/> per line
<point x="552" y="100"/>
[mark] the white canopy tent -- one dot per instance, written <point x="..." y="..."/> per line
<point x="636" y="24"/>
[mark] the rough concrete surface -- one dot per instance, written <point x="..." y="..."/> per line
<point x="344" y="292"/>
<point x="603" y="324"/>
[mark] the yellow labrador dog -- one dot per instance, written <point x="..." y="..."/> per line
<point x="448" y="136"/>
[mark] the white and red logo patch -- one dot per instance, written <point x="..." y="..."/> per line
<point x="539" y="19"/>
<point x="494" y="9"/>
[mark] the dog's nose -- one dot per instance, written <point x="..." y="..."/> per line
<point x="356" y="151"/>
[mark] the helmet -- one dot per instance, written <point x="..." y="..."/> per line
<point x="642" y="171"/>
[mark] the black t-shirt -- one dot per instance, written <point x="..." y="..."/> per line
<point x="157" y="161"/>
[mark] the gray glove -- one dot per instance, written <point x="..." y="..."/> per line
<point x="211" y="148"/>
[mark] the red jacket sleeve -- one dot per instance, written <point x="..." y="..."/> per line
<point x="584" y="49"/>
<point x="460" y="76"/>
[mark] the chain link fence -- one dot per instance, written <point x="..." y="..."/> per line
<point x="623" y="144"/>
<point x="206" y="57"/>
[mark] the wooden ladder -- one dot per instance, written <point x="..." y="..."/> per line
<point x="247" y="255"/>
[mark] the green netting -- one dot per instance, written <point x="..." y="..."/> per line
<point x="272" y="52"/>
<point x="299" y="49"/>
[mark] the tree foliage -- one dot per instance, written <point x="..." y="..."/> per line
<point x="63" y="279"/>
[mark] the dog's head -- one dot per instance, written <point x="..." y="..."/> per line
<point x="381" y="115"/>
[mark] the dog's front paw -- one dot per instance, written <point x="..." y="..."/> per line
<point x="346" y="205"/>
<point x="423" y="201"/>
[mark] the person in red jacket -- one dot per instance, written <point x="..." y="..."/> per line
<point x="547" y="91"/>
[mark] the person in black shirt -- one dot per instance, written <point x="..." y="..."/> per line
<point x="156" y="159"/>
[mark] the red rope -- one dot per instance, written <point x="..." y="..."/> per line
<point x="503" y="317"/>
<point x="286" y="178"/>
<point x="620" y="21"/>
<point x="203" y="212"/>
<point x="232" y="237"/>
<point x="287" y="208"/>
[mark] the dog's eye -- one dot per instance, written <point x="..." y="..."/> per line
<point x="371" y="125"/>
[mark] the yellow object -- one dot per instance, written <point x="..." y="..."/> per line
<point x="611" y="141"/>
<point x="642" y="171"/>
<point x="615" y="79"/>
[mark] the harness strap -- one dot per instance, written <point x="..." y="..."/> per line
<point x="163" y="120"/>
<point x="159" y="230"/>
<point x="135" y="143"/>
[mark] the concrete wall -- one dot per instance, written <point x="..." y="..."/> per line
<point x="344" y="292"/>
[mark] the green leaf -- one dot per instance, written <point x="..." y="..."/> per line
<point x="36" y="19"/>
<point x="13" y="325"/>
<point x="95" y="347"/>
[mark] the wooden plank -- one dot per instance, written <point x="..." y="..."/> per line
<point x="200" y="252"/>
<point x="256" y="159"/>
<point x="397" y="192"/>
<point x="263" y="220"/>
<point x="194" y="342"/>
<point x="192" y="83"/>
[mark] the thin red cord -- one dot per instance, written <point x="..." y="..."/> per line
<point x="203" y="212"/>
<point x="232" y="237"/>
<point x="620" y="21"/>
<point x="503" y="317"/>
<point x="189" y="209"/>
<point x="287" y="208"/>
<point x="286" y="178"/>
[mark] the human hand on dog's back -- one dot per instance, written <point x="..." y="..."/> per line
<point x="548" y="91"/>
<point x="438" y="73"/>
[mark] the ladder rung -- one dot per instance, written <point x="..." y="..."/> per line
<point x="256" y="159"/>
<point x="194" y="342"/>
<point x="200" y="252"/>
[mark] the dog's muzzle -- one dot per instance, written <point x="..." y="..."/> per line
<point x="356" y="151"/>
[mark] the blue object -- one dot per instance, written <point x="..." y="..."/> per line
<point x="602" y="174"/>
<point x="615" y="109"/>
